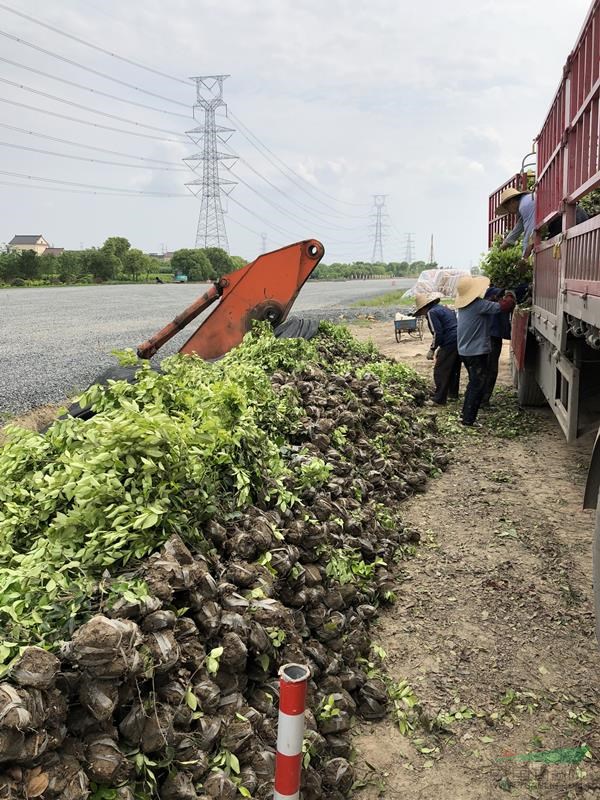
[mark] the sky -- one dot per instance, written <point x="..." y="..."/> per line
<point x="431" y="104"/>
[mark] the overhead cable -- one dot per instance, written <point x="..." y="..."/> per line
<point x="86" y="108"/>
<point x="47" y="188"/>
<point x="97" y="92"/>
<point x="93" y="186"/>
<point x="244" y="130"/>
<point x="49" y="27"/>
<point x="92" y="160"/>
<point x="290" y="197"/>
<point x="85" y="146"/>
<point x="73" y="63"/>
<point x="291" y="214"/>
<point x="87" y="122"/>
<point x="273" y="225"/>
<point x="249" y="136"/>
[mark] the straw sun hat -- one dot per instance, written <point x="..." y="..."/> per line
<point x="506" y="196"/>
<point x="422" y="300"/>
<point x="469" y="289"/>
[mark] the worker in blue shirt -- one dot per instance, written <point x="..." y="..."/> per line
<point x="500" y="329"/>
<point x="522" y="203"/>
<point x="474" y="316"/>
<point x="442" y="324"/>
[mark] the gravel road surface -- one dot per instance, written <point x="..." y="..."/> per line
<point x="56" y="340"/>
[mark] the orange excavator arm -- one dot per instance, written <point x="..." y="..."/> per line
<point x="263" y="290"/>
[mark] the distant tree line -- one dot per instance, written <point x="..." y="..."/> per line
<point x="364" y="269"/>
<point x="116" y="260"/>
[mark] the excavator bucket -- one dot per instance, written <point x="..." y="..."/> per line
<point x="263" y="290"/>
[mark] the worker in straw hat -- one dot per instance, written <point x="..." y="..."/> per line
<point x="442" y="324"/>
<point x="474" y="318"/>
<point x="521" y="203"/>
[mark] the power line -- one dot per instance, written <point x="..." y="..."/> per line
<point x="141" y="105"/>
<point x="133" y="192"/>
<point x="89" y="88"/>
<point x="86" y="108"/>
<point x="86" y="146"/>
<point x="273" y="225"/>
<point x="291" y="198"/>
<point x="70" y="61"/>
<point x="244" y="130"/>
<point x="289" y="169"/>
<point x="92" y="160"/>
<point x="88" y="122"/>
<point x="291" y="214"/>
<point x="93" y="46"/>
<point x="273" y="159"/>
<point x="30" y="186"/>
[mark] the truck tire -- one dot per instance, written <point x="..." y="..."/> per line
<point x="528" y="391"/>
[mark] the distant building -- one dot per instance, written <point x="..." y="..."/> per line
<point x="54" y="251"/>
<point x="162" y="256"/>
<point x="37" y="243"/>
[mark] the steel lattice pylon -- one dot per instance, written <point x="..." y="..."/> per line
<point x="211" y="230"/>
<point x="378" y="205"/>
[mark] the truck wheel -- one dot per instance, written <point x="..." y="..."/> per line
<point x="528" y="391"/>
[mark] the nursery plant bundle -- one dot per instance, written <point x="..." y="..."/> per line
<point x="160" y="561"/>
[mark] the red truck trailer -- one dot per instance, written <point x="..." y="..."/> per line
<point x="556" y="342"/>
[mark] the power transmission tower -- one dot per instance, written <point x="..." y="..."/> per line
<point x="409" y="253"/>
<point x="263" y="236"/>
<point x="211" y="223"/>
<point x="378" y="206"/>
<point x="431" y="252"/>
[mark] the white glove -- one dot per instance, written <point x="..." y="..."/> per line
<point x="430" y="354"/>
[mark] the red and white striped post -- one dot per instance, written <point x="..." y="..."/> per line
<point x="293" y="679"/>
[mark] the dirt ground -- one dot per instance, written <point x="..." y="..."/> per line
<point x="493" y="625"/>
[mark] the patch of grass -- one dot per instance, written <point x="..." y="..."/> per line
<point x="393" y="298"/>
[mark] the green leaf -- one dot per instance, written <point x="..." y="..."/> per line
<point x="234" y="763"/>
<point x="263" y="660"/>
<point x="191" y="699"/>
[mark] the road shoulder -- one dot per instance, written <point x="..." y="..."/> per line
<point x="493" y="626"/>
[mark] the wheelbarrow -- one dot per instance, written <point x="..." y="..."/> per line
<point x="412" y="326"/>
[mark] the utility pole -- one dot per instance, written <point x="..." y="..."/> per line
<point x="263" y="236"/>
<point x="431" y="253"/>
<point x="409" y="253"/>
<point x="378" y="206"/>
<point x="211" y="223"/>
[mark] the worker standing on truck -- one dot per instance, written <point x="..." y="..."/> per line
<point x="513" y="201"/>
<point x="442" y="324"/>
<point x="474" y="317"/>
